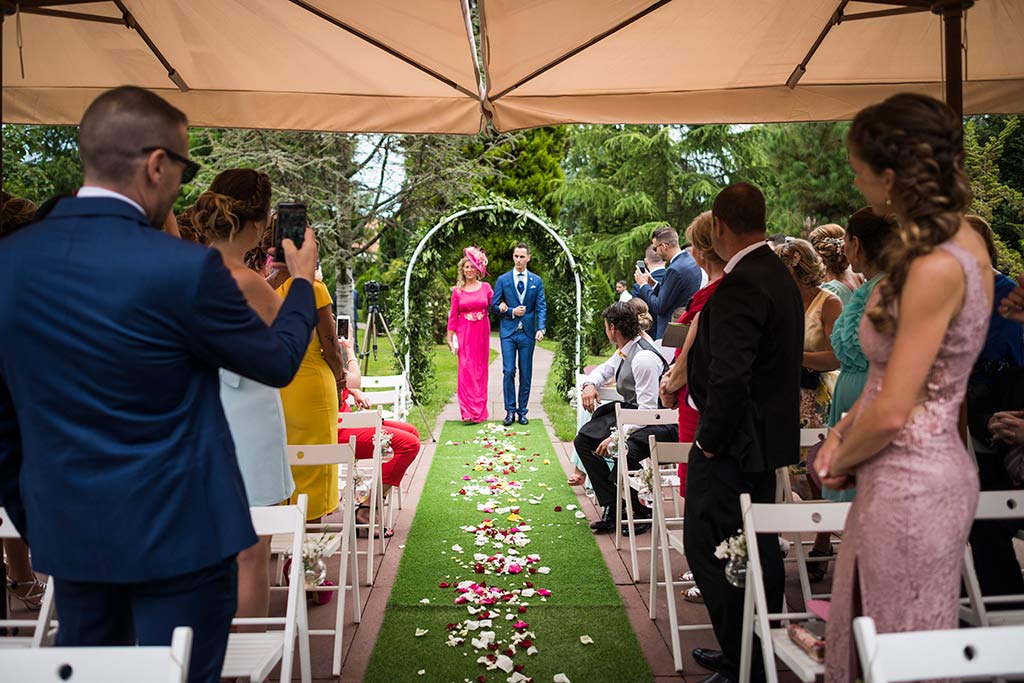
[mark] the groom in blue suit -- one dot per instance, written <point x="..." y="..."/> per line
<point x="116" y="462"/>
<point x="522" y="309"/>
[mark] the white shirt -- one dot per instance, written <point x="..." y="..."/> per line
<point x="624" y="295"/>
<point x="646" y="368"/>
<point x="738" y="256"/>
<point x="88" y="191"/>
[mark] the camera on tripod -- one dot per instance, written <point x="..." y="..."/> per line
<point x="372" y="289"/>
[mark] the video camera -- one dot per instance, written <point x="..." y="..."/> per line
<point x="372" y="289"/>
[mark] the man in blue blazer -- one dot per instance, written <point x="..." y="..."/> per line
<point x="682" y="280"/>
<point x="116" y="462"/>
<point x="520" y="305"/>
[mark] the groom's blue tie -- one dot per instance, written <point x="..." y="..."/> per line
<point x="521" y="287"/>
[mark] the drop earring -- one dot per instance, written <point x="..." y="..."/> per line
<point x="888" y="202"/>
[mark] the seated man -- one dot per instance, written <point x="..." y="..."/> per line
<point x="637" y="368"/>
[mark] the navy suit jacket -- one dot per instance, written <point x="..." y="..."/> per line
<point x="116" y="462"/>
<point x="682" y="280"/>
<point x="536" y="316"/>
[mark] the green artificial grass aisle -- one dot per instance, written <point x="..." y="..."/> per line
<point x="452" y="579"/>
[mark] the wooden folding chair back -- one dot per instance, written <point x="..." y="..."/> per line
<point x="254" y="655"/>
<point x="974" y="609"/>
<point x="668" y="538"/>
<point x="44" y="627"/>
<point x="101" y="664"/>
<point x="624" y="510"/>
<point x="967" y="653"/>
<point x="344" y="540"/>
<point x="778" y="518"/>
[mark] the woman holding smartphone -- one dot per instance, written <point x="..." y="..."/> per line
<point x="232" y="217"/>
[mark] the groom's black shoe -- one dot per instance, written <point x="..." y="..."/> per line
<point x="709" y="659"/>
<point x="607" y="521"/>
<point x="510" y="417"/>
<point x="523" y="420"/>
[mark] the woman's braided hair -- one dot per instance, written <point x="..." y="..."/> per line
<point x="799" y="256"/>
<point x="921" y="140"/>
<point x="235" y="197"/>
<point x="828" y="241"/>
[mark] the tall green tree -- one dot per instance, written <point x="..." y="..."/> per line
<point x="995" y="198"/>
<point x="41" y="161"/>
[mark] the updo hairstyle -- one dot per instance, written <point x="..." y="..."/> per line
<point x="235" y="197"/>
<point x="828" y="241"/>
<point x="801" y="258"/>
<point x="874" y="233"/>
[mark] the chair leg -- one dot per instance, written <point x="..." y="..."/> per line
<point x="302" y="633"/>
<point x="747" y="639"/>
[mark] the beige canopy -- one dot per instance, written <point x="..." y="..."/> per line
<point x="410" y="65"/>
<point x="344" y="65"/>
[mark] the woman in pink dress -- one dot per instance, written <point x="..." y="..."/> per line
<point x="468" y="320"/>
<point x="917" y="487"/>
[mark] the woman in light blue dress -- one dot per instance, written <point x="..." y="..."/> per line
<point x="840" y="279"/>
<point x="866" y="238"/>
<point x="231" y="217"/>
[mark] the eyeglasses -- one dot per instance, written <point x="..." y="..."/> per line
<point x="190" y="167"/>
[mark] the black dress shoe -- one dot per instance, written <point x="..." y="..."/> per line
<point x="523" y="420"/>
<point x="718" y="677"/>
<point x="607" y="521"/>
<point x="709" y="659"/>
<point x="510" y="417"/>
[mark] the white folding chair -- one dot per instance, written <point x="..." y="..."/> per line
<point x="669" y="534"/>
<point x="606" y="394"/>
<point x="101" y="664"/>
<point x="344" y="456"/>
<point x="992" y="505"/>
<point x="778" y="518"/>
<point x="370" y="419"/>
<point x="921" y="655"/>
<point x="808" y="438"/>
<point x="44" y="628"/>
<point x="626" y="416"/>
<point x="254" y="655"/>
<point x="393" y="391"/>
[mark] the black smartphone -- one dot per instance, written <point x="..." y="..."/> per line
<point x="343" y="326"/>
<point x="641" y="266"/>
<point x="291" y="222"/>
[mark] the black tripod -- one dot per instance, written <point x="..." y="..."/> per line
<point x="373" y="318"/>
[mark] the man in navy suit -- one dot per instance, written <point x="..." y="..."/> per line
<point x="520" y="305"/>
<point x="116" y="462"/>
<point x="682" y="280"/>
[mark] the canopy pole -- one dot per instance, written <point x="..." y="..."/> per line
<point x="952" y="18"/>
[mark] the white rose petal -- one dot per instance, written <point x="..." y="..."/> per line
<point x="517" y="677"/>
<point x="425" y="601"/>
<point x="504" y="663"/>
<point x="543" y="570"/>
<point x="586" y="640"/>
<point x="532" y="650"/>
<point x="421" y="672"/>
<point x="456" y="548"/>
<point x="421" y="632"/>
<point x="561" y="678"/>
<point x="571" y="507"/>
<point x="580" y="514"/>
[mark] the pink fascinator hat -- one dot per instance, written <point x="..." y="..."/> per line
<point x="478" y="258"/>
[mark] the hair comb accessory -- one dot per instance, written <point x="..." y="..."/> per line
<point x="836" y="241"/>
<point x="478" y="258"/>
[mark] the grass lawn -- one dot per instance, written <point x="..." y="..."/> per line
<point x="583" y="598"/>
<point x="446" y="366"/>
<point x="556" y="405"/>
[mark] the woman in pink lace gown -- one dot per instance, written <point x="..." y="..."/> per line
<point x="917" y="487"/>
<point x="468" y="320"/>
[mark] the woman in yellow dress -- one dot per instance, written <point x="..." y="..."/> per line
<point x="311" y="402"/>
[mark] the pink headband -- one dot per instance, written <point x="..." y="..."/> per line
<point x="478" y="258"/>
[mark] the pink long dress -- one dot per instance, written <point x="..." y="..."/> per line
<point x="899" y="562"/>
<point x="468" y="318"/>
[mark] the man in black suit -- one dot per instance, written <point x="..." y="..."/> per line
<point x="744" y="378"/>
<point x="682" y="280"/>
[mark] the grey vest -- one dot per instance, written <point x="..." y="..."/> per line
<point x="625" y="383"/>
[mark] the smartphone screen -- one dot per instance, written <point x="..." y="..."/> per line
<point x="641" y="266"/>
<point x="291" y="223"/>
<point x="343" y="322"/>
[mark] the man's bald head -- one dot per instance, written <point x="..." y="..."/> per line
<point x="118" y="125"/>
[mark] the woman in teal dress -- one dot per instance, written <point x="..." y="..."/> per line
<point x="866" y="239"/>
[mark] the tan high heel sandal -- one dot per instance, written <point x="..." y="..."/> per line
<point x="30" y="592"/>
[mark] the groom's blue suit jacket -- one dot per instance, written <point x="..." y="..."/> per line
<point x="116" y="462"/>
<point x="534" y="300"/>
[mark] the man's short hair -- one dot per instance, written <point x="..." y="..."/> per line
<point x="620" y="282"/>
<point x="624" y="318"/>
<point x="118" y="125"/>
<point x="667" y="235"/>
<point x="741" y="207"/>
<point x="652" y="255"/>
<point x="521" y="245"/>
